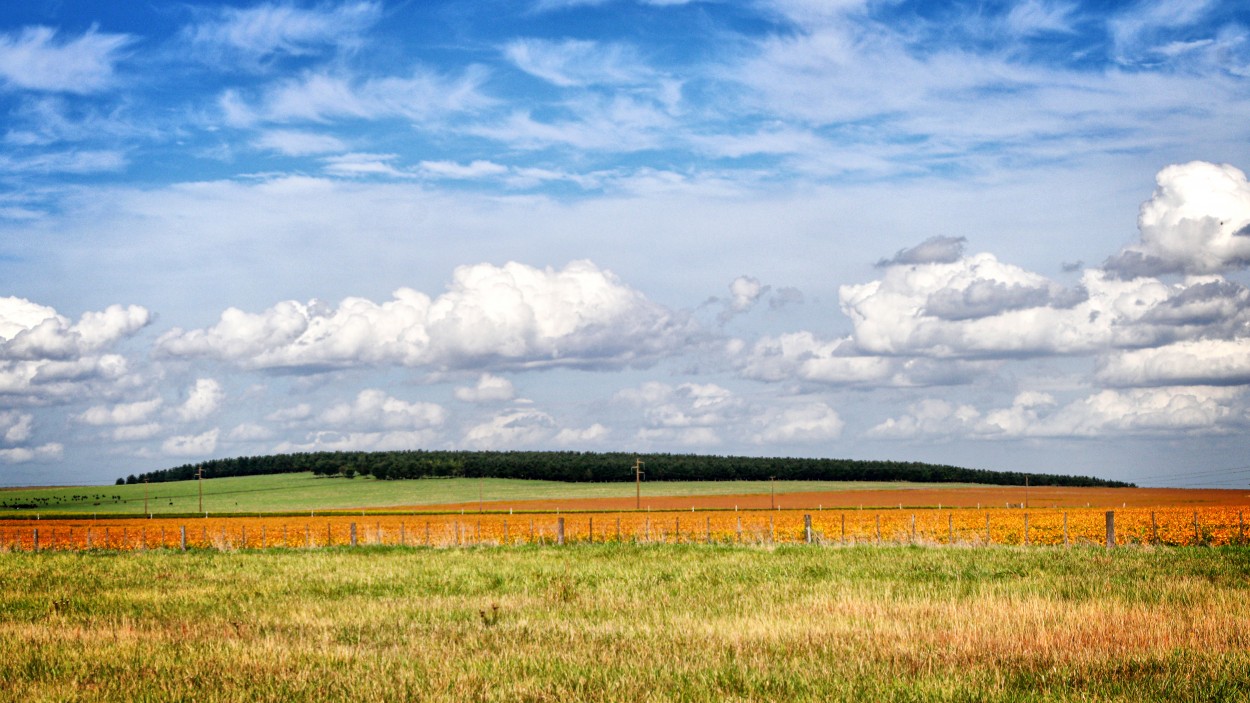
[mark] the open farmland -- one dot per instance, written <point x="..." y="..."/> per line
<point x="605" y="622"/>
<point x="961" y="527"/>
<point x="304" y="492"/>
<point x="301" y="492"/>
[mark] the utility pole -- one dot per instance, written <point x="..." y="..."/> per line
<point x="638" y="482"/>
<point x="199" y="475"/>
<point x="1026" y="491"/>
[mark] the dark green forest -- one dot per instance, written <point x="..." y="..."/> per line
<point x="600" y="466"/>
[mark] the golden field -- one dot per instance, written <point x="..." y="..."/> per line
<point x="1179" y="526"/>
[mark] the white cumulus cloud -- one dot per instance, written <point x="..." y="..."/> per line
<point x="1197" y="222"/>
<point x="510" y="316"/>
<point x="1201" y="361"/>
<point x="191" y="445"/>
<point x="52" y="451"/>
<point x="570" y="436"/>
<point x="373" y="409"/>
<point x="332" y="441"/>
<point x="807" y="423"/>
<point x="203" y="399"/>
<point x="45" y="356"/>
<point x="1109" y="412"/>
<point x="121" y="413"/>
<point x="515" y="428"/>
<point x="489" y="388"/>
<point x="15" y="427"/>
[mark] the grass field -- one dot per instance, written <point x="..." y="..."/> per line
<point x="298" y="493"/>
<point x="618" y="623"/>
<point x="303" y="492"/>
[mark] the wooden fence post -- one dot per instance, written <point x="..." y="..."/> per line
<point x="738" y="533"/>
<point x="913" y="528"/>
<point x="88" y="538"/>
<point x="1110" y="529"/>
<point x="988" y="538"/>
<point x="950" y="528"/>
<point x="559" y="530"/>
<point x="1026" y="529"/>
<point x="182" y="537"/>
<point x="878" y="529"/>
<point x="36" y="547"/>
<point x="243" y="528"/>
<point x="1065" y="528"/>
<point x="772" y="530"/>
<point x="590" y="531"/>
<point x="807" y="528"/>
<point x="1197" y="537"/>
<point x="353" y="534"/>
<point x="843" y="528"/>
<point x="708" y="527"/>
<point x="403" y="538"/>
<point x="618" y="528"/>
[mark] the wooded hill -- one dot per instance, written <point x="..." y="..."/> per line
<point x="602" y="467"/>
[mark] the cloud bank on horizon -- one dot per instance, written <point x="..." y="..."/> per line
<point x="777" y="228"/>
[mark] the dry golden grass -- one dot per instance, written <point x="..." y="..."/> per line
<point x="623" y="622"/>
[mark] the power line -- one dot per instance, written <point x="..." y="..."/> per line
<point x="1210" y="473"/>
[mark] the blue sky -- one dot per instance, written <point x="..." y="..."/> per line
<point x="1000" y="235"/>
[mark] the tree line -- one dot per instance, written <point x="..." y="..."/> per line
<point x="601" y="467"/>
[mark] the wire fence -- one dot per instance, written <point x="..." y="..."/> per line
<point x="1165" y="526"/>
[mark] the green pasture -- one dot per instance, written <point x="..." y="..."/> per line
<point x="304" y="492"/>
<point x="627" y="623"/>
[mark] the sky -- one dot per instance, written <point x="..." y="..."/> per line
<point x="1002" y="235"/>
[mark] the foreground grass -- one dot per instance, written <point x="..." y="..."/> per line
<point x="606" y="622"/>
<point x="303" y="491"/>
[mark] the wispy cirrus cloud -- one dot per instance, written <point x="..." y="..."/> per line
<point x="574" y="62"/>
<point x="254" y="34"/>
<point x="35" y="59"/>
<point x="298" y="143"/>
<point x="323" y="96"/>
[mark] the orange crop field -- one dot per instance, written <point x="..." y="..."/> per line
<point x="1212" y="526"/>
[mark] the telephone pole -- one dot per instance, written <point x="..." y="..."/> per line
<point x="1026" y="491"/>
<point x="638" y="482"/>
